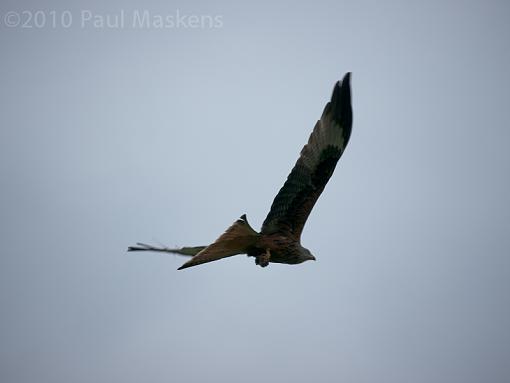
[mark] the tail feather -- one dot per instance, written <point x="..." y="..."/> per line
<point x="237" y="239"/>
<point x="187" y="251"/>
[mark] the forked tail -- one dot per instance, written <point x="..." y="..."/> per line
<point x="188" y="251"/>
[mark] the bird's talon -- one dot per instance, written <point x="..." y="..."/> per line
<point x="263" y="259"/>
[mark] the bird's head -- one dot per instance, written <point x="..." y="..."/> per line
<point x="305" y="255"/>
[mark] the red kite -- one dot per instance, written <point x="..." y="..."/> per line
<point x="279" y="238"/>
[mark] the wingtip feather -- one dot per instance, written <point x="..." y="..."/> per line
<point x="340" y="104"/>
<point x="187" y="264"/>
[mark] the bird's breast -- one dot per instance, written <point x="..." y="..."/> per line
<point x="282" y="248"/>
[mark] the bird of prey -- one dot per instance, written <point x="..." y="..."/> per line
<point x="280" y="236"/>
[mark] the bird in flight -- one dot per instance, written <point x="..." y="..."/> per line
<point x="279" y="240"/>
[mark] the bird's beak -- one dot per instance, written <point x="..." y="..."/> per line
<point x="313" y="258"/>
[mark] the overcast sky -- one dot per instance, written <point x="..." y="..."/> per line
<point x="112" y="134"/>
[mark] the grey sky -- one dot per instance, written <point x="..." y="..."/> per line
<point x="109" y="136"/>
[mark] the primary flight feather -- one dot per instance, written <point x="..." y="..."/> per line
<point x="279" y="240"/>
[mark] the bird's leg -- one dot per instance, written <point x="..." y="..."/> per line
<point x="263" y="259"/>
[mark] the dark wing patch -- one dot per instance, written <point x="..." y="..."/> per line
<point x="295" y="200"/>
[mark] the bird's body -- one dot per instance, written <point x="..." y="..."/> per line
<point x="282" y="249"/>
<point x="279" y="240"/>
<point x="278" y="248"/>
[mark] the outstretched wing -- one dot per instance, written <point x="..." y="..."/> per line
<point x="237" y="239"/>
<point x="295" y="200"/>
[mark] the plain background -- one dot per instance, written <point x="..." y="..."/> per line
<point x="111" y="136"/>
